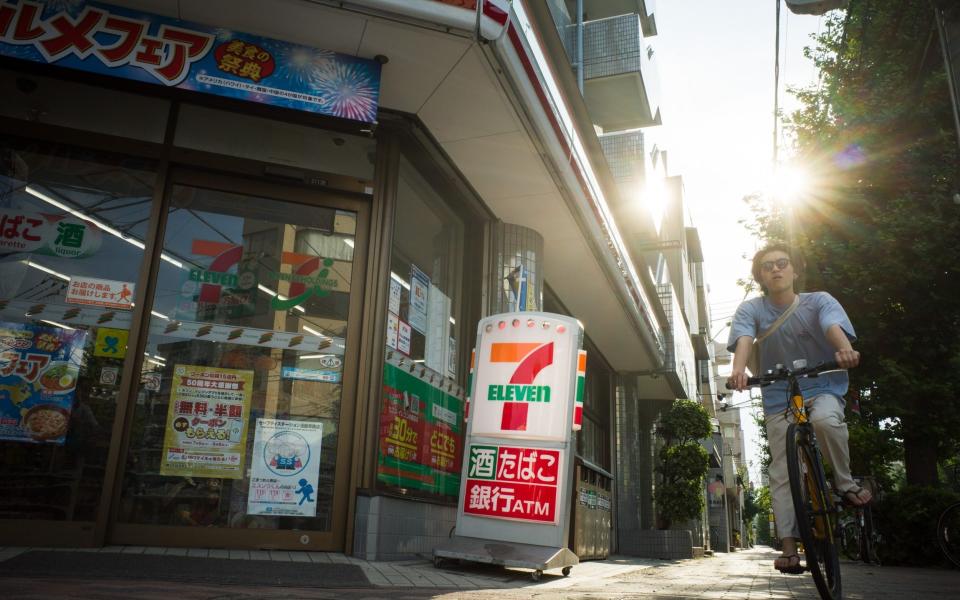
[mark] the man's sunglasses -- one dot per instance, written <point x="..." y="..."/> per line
<point x="780" y="263"/>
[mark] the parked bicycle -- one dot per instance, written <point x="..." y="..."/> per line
<point x="948" y="533"/>
<point x="818" y="515"/>
<point x="858" y="535"/>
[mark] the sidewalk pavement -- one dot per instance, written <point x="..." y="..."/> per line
<point x="744" y="575"/>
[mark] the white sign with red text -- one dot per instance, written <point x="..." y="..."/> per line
<point x="100" y="292"/>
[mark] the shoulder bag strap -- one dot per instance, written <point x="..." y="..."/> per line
<point x="781" y="319"/>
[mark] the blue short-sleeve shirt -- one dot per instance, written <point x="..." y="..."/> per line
<point x="802" y="336"/>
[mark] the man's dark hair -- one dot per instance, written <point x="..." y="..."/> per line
<point x="796" y="259"/>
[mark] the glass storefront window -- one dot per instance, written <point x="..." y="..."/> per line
<point x="237" y="413"/>
<point x="72" y="230"/>
<point x="421" y="418"/>
<point x="79" y="106"/>
<point x="271" y="141"/>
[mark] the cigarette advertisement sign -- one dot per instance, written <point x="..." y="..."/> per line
<point x="285" y="474"/>
<point x="36" y="233"/>
<point x="39" y="369"/>
<point x="421" y="434"/>
<point x="513" y="482"/>
<point x="119" y="42"/>
<point x="206" y="431"/>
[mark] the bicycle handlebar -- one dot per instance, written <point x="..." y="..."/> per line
<point x="784" y="374"/>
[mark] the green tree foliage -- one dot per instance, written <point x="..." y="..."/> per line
<point x="881" y="228"/>
<point x="683" y="462"/>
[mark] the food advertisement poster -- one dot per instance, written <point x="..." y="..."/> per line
<point x="285" y="469"/>
<point x="39" y="369"/>
<point x="421" y="434"/>
<point x="138" y="46"/>
<point x="206" y="431"/>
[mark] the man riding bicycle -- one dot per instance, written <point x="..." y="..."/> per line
<point x="811" y="326"/>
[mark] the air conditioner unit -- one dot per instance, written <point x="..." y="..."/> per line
<point x="814" y="7"/>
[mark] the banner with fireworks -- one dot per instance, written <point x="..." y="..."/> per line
<point x="115" y="41"/>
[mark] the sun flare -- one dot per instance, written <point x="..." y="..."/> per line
<point x="789" y="184"/>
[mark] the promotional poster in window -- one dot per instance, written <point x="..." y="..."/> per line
<point x="39" y="369"/>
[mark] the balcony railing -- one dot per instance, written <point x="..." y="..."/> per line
<point x="621" y="85"/>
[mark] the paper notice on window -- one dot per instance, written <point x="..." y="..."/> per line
<point x="285" y="468"/>
<point x="393" y="327"/>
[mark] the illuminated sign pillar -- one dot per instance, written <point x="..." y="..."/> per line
<point x="525" y="405"/>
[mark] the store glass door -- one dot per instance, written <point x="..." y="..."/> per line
<point x="248" y="371"/>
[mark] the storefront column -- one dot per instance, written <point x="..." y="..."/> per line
<point x="516" y="274"/>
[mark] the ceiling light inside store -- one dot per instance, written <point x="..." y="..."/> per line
<point x="30" y="263"/>
<point x="132" y="241"/>
<point x="311" y="330"/>
<point x="399" y="280"/>
<point x="55" y="324"/>
<point x="348" y="242"/>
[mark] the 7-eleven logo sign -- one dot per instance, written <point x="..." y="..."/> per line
<point x="520" y="392"/>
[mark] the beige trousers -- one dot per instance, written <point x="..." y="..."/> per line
<point x="826" y="414"/>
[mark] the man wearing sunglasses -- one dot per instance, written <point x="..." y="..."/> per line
<point x="816" y="329"/>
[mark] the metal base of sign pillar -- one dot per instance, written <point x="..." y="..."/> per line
<point x="507" y="554"/>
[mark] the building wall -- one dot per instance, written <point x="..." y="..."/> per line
<point x="390" y="528"/>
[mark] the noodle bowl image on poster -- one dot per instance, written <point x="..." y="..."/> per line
<point x="286" y="468"/>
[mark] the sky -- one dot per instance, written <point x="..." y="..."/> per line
<point x="716" y="64"/>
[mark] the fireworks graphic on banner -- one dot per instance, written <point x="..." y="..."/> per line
<point x="351" y="91"/>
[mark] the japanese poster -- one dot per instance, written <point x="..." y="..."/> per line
<point x="100" y="292"/>
<point x="438" y="330"/>
<point x="510" y="482"/>
<point x="36" y="233"/>
<point x="120" y="42"/>
<point x="421" y="434"/>
<point x="206" y="431"/>
<point x="39" y="369"/>
<point x="393" y="329"/>
<point x="111" y="342"/>
<point x="404" y="333"/>
<point x="395" y="291"/>
<point x="419" y="294"/>
<point x="285" y="468"/>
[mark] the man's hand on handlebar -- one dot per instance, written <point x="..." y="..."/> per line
<point x="847" y="359"/>
<point x="737" y="380"/>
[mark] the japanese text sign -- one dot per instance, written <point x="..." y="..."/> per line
<point x="285" y="468"/>
<point x="105" y="39"/>
<point x="421" y="434"/>
<point x="525" y="377"/>
<point x="206" y="432"/>
<point x="39" y="369"/>
<point x="46" y="234"/>
<point x="100" y="292"/>
<point x="513" y="483"/>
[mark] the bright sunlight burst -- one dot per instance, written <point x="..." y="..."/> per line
<point x="788" y="183"/>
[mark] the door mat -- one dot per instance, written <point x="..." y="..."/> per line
<point x="217" y="571"/>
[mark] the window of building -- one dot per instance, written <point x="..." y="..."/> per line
<point x="73" y="225"/>
<point x="422" y="416"/>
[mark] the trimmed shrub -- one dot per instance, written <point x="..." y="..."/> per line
<point x="907" y="523"/>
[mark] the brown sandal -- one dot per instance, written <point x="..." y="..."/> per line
<point x="791" y="568"/>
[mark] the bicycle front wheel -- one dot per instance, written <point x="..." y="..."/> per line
<point x="816" y="517"/>
<point x="948" y="533"/>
